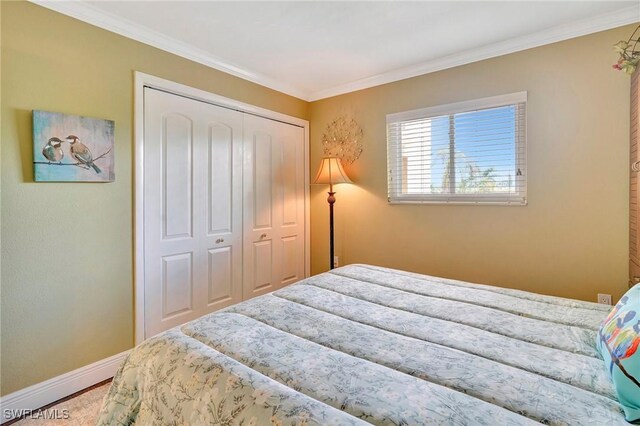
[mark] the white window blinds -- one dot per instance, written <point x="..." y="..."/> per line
<point x="467" y="152"/>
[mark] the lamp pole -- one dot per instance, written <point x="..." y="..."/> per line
<point x="331" y="172"/>
<point x="331" y="199"/>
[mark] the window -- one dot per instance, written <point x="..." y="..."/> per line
<point x="467" y="152"/>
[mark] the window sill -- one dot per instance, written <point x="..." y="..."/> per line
<point x="462" y="202"/>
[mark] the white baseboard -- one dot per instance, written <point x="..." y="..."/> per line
<point x="49" y="391"/>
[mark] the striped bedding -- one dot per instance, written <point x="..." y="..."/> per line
<point x="364" y="344"/>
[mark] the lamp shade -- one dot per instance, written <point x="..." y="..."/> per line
<point x="331" y="172"/>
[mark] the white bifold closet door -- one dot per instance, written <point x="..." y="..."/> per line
<point x="274" y="205"/>
<point x="192" y="209"/>
<point x="223" y="208"/>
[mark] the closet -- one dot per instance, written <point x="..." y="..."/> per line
<point x="224" y="207"/>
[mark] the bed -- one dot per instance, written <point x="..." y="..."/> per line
<point x="364" y="344"/>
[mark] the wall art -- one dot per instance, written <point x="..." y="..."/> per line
<point x="72" y="148"/>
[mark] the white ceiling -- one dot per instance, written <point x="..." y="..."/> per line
<point x="317" y="49"/>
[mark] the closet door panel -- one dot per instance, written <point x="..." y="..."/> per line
<point x="291" y="184"/>
<point x="262" y="185"/>
<point x="177" y="284"/>
<point x="220" y="277"/>
<point x="220" y="180"/>
<point x="290" y="260"/>
<point x="274" y="205"/>
<point x="192" y="209"/>
<point x="258" y="176"/>
<point x="169" y="241"/>
<point x="221" y="237"/>
<point x="262" y="267"/>
<point x="292" y="206"/>
<point x="176" y="173"/>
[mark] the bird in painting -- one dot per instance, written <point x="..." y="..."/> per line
<point x="81" y="152"/>
<point x="52" y="151"/>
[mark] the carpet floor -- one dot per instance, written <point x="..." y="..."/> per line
<point x="80" y="411"/>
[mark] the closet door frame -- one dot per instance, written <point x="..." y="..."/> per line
<point x="142" y="80"/>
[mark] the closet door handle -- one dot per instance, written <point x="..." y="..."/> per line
<point x="636" y="166"/>
<point x="220" y="240"/>
<point x="263" y="236"/>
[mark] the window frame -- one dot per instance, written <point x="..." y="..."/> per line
<point x="395" y="171"/>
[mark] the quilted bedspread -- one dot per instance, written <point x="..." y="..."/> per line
<point x="364" y="344"/>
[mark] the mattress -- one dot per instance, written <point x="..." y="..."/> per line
<point x="365" y="344"/>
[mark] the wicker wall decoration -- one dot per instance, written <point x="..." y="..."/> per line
<point x="343" y="139"/>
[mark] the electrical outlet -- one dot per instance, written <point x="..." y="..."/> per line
<point x="604" y="299"/>
<point x="336" y="261"/>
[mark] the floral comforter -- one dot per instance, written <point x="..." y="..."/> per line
<point x="364" y="344"/>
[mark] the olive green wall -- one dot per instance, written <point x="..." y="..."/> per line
<point x="67" y="281"/>
<point x="572" y="238"/>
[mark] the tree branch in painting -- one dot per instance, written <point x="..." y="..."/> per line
<point x="78" y="164"/>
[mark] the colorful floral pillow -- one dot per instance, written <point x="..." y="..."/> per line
<point x="618" y="340"/>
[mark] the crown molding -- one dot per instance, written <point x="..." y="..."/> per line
<point x="85" y="12"/>
<point x="618" y="18"/>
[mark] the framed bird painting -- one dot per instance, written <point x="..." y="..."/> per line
<point x="72" y="148"/>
